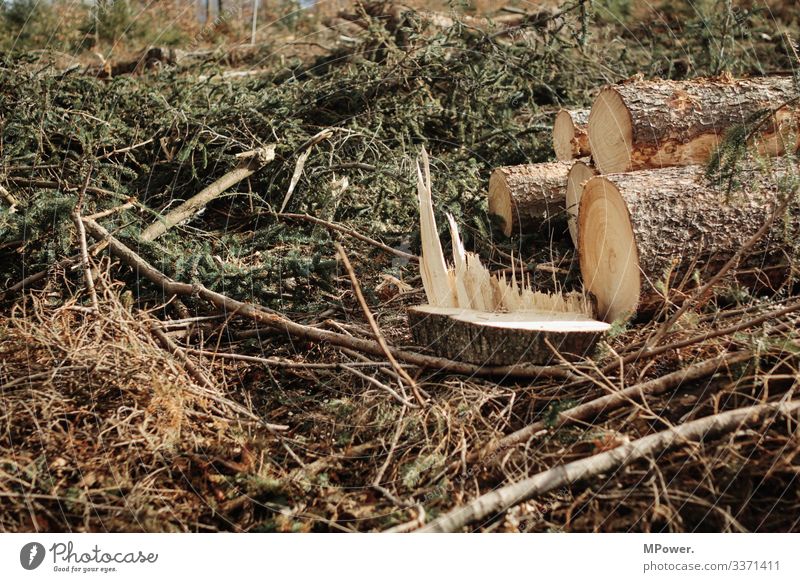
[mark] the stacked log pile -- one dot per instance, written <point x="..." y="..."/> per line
<point x="632" y="181"/>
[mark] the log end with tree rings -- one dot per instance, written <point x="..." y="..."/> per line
<point x="570" y="139"/>
<point x="610" y="132"/>
<point x="579" y="174"/>
<point x="607" y="250"/>
<point x="500" y="203"/>
<point x="504" y="339"/>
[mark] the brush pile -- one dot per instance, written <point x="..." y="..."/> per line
<point x="221" y="292"/>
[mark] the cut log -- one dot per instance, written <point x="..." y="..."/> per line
<point x="641" y="232"/>
<point x="525" y="197"/>
<point x="653" y="124"/>
<point x="580" y="173"/>
<point x="503" y="338"/>
<point x="570" y="134"/>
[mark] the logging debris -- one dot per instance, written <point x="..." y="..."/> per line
<point x="106" y="427"/>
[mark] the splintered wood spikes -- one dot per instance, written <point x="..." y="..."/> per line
<point x="476" y="316"/>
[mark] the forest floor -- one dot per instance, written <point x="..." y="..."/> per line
<point x="145" y="406"/>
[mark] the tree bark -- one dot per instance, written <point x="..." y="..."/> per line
<point x="570" y="134"/>
<point x="525" y="197"/>
<point x="643" y="232"/>
<point x="580" y="173"/>
<point x="503" y="339"/>
<point x="653" y="124"/>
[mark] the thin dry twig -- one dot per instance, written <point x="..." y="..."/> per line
<point x="176" y="351"/>
<point x="374" y="325"/>
<point x="501" y="499"/>
<point x="379" y="384"/>
<point x="357" y="235"/>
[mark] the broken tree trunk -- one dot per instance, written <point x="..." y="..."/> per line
<point x="527" y="196"/>
<point x="643" y="232"/>
<point x="478" y="317"/>
<point x="653" y="124"/>
<point x="479" y="337"/>
<point x="570" y="134"/>
<point x="580" y="173"/>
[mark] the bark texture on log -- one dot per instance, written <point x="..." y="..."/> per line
<point x="527" y="196"/>
<point x="653" y="124"/>
<point x="571" y="134"/>
<point x="580" y="173"/>
<point x="640" y="230"/>
<point x="503" y="339"/>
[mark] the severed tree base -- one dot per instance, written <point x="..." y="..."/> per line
<point x="482" y="318"/>
<point x="503" y="339"/>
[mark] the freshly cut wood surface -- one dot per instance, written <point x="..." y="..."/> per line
<point x="503" y="338"/>
<point x="653" y="124"/>
<point x="475" y="316"/>
<point x="436" y="277"/>
<point x="580" y="173"/>
<point x="527" y="196"/>
<point x="570" y="134"/>
<point x="640" y="229"/>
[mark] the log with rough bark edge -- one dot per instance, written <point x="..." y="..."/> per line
<point x="481" y="337"/>
<point x="580" y="173"/>
<point x="651" y="124"/>
<point x="570" y="137"/>
<point x="527" y="196"/>
<point x="640" y="230"/>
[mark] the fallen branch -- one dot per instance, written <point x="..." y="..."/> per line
<point x="87" y="265"/>
<point x="590" y="411"/>
<point x="501" y="499"/>
<point x="251" y="163"/>
<point x="301" y="162"/>
<point x="279" y="322"/>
